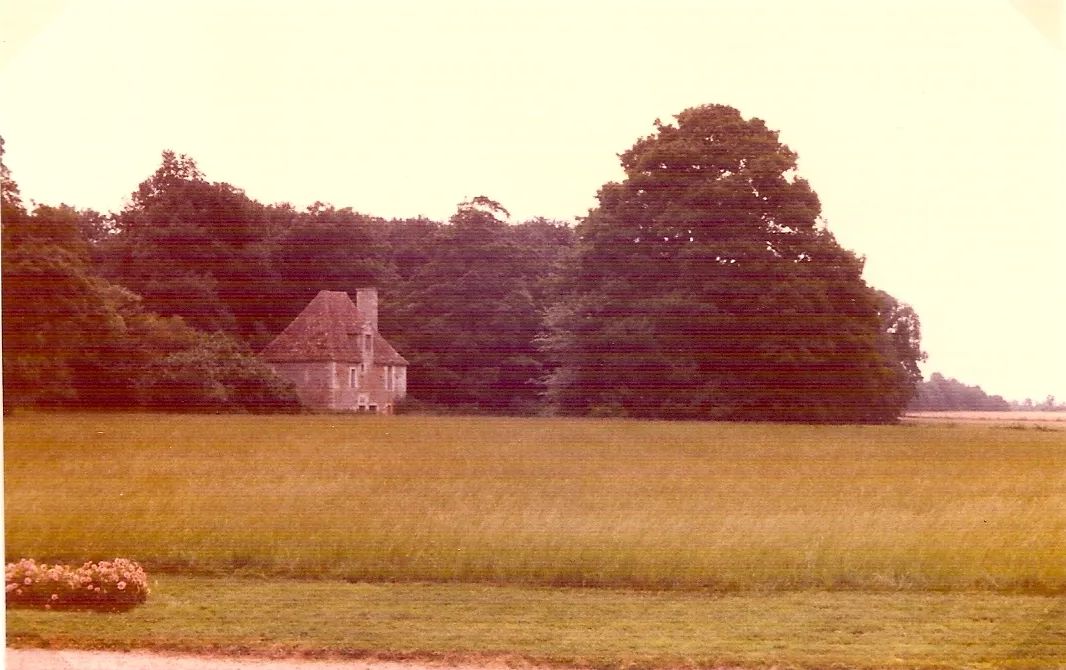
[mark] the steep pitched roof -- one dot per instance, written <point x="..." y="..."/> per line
<point x="329" y="329"/>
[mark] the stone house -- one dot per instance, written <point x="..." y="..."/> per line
<point x="334" y="355"/>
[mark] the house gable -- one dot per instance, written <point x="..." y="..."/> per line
<point x="332" y="328"/>
<point x="334" y="355"/>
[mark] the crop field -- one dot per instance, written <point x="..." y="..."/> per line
<point x="665" y="506"/>
<point x="1015" y="419"/>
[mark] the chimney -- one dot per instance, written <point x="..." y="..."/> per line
<point x="366" y="301"/>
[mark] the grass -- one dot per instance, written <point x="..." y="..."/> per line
<point x="590" y="628"/>
<point x="622" y="504"/>
<point x="917" y="546"/>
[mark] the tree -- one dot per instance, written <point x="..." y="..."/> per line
<point x="707" y="286"/>
<point x="51" y="307"/>
<point x="943" y="394"/>
<point x="467" y="306"/>
<point x="10" y="200"/>
<point x="324" y="248"/>
<point x="72" y="338"/>
<point x="215" y="373"/>
<point x="901" y="345"/>
<point x="191" y="248"/>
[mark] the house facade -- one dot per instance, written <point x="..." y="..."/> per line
<point x="336" y="358"/>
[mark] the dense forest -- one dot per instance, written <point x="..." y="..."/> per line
<point x="704" y="285"/>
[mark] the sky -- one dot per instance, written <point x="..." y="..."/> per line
<point x="934" y="132"/>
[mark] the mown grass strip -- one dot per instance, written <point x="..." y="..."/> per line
<point x="598" y="628"/>
<point x="652" y="505"/>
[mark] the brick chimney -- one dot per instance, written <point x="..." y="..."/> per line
<point x="366" y="301"/>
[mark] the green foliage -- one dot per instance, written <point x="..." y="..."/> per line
<point x="216" y="373"/>
<point x="705" y="286"/>
<point x="10" y="201"/>
<point x="191" y="248"/>
<point x="708" y="287"/>
<point x="321" y="249"/>
<point x="943" y="394"/>
<point x="74" y="339"/>
<point x="51" y="307"/>
<point x="467" y="316"/>
<point x="901" y="346"/>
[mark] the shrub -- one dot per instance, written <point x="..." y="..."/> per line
<point x="115" y="585"/>
<point x="216" y="374"/>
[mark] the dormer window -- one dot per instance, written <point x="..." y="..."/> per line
<point x="368" y="347"/>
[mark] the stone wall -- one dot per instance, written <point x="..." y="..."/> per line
<point x="346" y="386"/>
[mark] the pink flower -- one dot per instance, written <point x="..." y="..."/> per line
<point x="55" y="596"/>
<point x="121" y="585"/>
<point x="27" y="581"/>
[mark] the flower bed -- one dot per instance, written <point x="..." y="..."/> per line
<point x="116" y="585"/>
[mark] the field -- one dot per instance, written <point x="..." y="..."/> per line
<point x="975" y="513"/>
<point x="1015" y="419"/>
<point x="603" y="503"/>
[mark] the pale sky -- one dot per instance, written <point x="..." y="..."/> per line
<point x="934" y="132"/>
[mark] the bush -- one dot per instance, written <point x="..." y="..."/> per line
<point x="216" y="374"/>
<point x="116" y="585"/>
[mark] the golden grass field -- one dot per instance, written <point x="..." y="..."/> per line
<point x="615" y="503"/>
<point x="1016" y="419"/>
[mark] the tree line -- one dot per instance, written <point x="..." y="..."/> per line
<point x="943" y="394"/>
<point x="704" y="285"/>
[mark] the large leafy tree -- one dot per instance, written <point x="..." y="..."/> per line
<point x="901" y="342"/>
<point x="323" y="248"/>
<point x="72" y="338"/>
<point x="191" y="248"/>
<point x="467" y="305"/>
<point x="52" y="310"/>
<point x="708" y="286"/>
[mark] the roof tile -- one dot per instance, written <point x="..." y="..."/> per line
<point x="329" y="329"/>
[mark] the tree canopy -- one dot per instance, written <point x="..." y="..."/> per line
<point x="468" y="316"/>
<point x="704" y="285"/>
<point x="73" y="338"/>
<point x="707" y="286"/>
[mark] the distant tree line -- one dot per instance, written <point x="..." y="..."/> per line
<point x="1048" y="405"/>
<point x="704" y="285"/>
<point x="944" y="394"/>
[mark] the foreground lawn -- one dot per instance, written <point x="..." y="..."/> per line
<point x="599" y="628"/>
<point x="650" y="505"/>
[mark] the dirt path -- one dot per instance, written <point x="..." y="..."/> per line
<point x="47" y="659"/>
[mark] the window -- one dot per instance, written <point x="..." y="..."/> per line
<point x="368" y="342"/>
<point x="353" y="378"/>
<point x="388" y="377"/>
